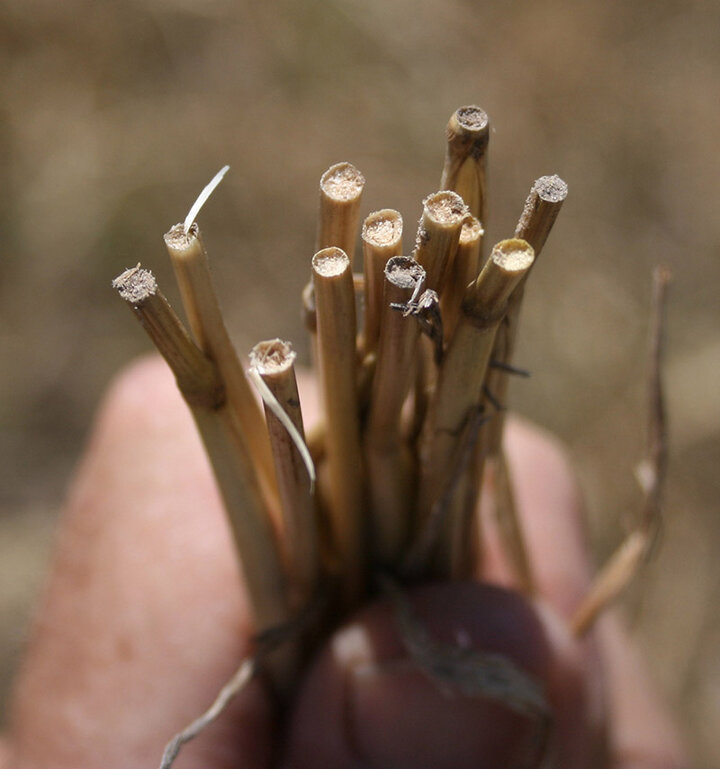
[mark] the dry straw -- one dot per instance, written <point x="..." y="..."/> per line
<point x="459" y="392"/>
<point x="390" y="463"/>
<point x="468" y="133"/>
<point x="341" y="188"/>
<point x="190" y="263"/>
<point x="273" y="370"/>
<point x="384" y="491"/>
<point x="201" y="385"/>
<point x="337" y="329"/>
<point x="381" y="239"/>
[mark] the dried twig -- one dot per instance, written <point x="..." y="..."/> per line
<point x="627" y="559"/>
<point x="437" y="241"/>
<point x="230" y="690"/>
<point x="508" y="522"/>
<point x="541" y="209"/>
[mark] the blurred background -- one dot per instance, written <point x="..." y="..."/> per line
<point x="113" y="116"/>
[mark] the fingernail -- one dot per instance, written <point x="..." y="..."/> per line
<point x="397" y="716"/>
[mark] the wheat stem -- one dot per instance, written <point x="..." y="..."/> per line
<point x="460" y="381"/>
<point x="190" y="263"/>
<point x="273" y="361"/>
<point x="336" y="329"/>
<point x="438" y="236"/>
<point x="201" y="385"/>
<point x="390" y="465"/>
<point x="341" y="188"/>
<point x="468" y="132"/>
<point x="465" y="269"/>
<point x="382" y="239"/>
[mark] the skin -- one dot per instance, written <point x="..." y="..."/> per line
<point x="143" y="619"/>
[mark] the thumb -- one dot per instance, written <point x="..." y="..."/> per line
<point x="367" y="703"/>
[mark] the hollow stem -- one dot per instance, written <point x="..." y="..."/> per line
<point x="468" y="132"/>
<point x="539" y="214"/>
<point x="465" y="270"/>
<point x="541" y="209"/>
<point x="341" y="188"/>
<point x="274" y="362"/>
<point x="382" y="239"/>
<point x="538" y="217"/>
<point x="459" y="388"/>
<point x="336" y="329"/>
<point x="200" y="383"/>
<point x="190" y="263"/>
<point x="389" y="462"/>
<point x="438" y="236"/>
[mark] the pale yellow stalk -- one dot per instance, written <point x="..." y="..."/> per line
<point x="190" y="263"/>
<point x="336" y="329"/>
<point x="274" y="361"/>
<point x="465" y="269"/>
<point x="539" y="214"/>
<point x="201" y="385"/>
<point x="381" y="239"/>
<point x="459" y="388"/>
<point x="341" y="188"/>
<point x="468" y="132"/>
<point x="390" y="464"/>
<point x="438" y="236"/>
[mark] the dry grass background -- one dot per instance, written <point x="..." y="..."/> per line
<point x="113" y="116"/>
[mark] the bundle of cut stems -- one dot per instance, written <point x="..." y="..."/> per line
<point x="408" y="422"/>
<point x="459" y="389"/>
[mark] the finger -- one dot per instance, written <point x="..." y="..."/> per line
<point x="309" y="397"/>
<point x="144" y="618"/>
<point x="4" y="754"/>
<point x="550" y="509"/>
<point x="364" y="703"/>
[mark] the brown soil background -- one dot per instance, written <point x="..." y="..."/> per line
<point x="113" y="116"/>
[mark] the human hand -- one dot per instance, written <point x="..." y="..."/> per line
<point x="144" y="619"/>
